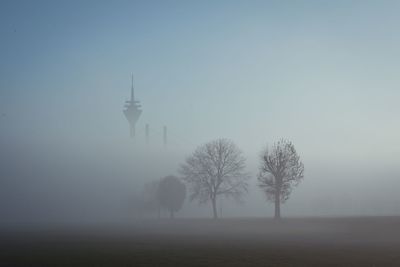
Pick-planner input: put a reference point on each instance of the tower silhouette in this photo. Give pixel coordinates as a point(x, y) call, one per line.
point(132, 111)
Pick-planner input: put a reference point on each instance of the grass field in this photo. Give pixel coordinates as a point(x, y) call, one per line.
point(366, 241)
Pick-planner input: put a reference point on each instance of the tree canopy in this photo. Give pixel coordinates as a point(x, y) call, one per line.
point(214, 169)
point(171, 194)
point(280, 170)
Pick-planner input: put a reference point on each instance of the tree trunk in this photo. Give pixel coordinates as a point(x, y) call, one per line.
point(277, 206)
point(214, 205)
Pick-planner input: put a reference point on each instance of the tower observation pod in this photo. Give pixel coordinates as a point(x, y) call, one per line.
point(132, 111)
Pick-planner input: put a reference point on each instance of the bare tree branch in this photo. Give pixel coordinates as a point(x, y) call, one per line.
point(216, 168)
point(280, 170)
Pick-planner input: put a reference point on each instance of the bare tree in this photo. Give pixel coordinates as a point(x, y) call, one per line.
point(280, 170)
point(215, 169)
point(171, 194)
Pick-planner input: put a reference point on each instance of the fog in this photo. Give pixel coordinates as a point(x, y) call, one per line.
point(323, 75)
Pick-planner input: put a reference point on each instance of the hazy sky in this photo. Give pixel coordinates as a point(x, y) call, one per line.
point(321, 73)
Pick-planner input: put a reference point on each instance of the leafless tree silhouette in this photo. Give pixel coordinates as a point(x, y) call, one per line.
point(215, 169)
point(280, 170)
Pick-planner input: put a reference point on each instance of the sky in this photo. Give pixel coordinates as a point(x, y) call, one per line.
point(323, 74)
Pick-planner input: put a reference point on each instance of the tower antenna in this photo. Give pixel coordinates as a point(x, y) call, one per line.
point(132, 110)
point(132, 89)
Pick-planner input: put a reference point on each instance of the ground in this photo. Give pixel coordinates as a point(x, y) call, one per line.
point(367, 241)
